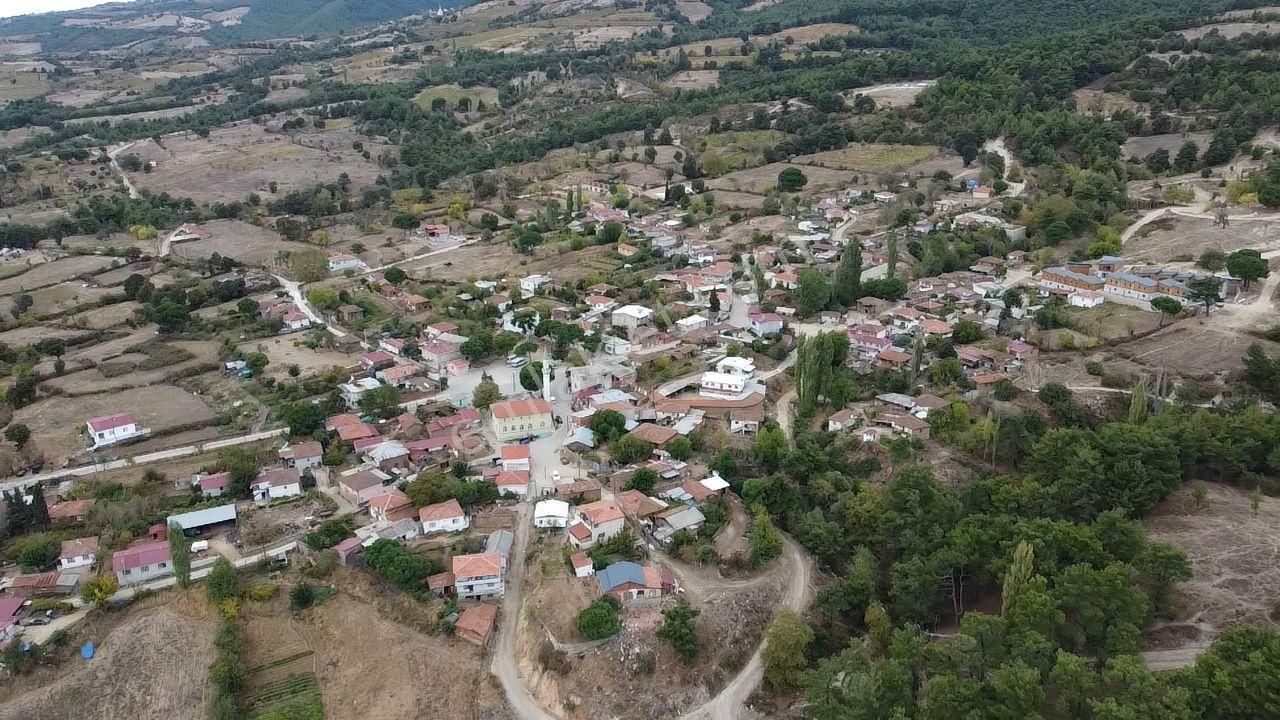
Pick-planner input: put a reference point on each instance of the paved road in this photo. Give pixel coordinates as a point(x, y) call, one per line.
point(294, 288)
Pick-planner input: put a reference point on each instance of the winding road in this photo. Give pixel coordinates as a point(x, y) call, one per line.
point(133, 191)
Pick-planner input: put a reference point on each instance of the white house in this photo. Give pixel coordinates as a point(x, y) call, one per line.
point(443, 517)
point(740, 366)
point(77, 553)
point(766, 324)
point(295, 320)
point(141, 563)
point(112, 429)
point(342, 262)
point(691, 323)
point(478, 576)
point(277, 483)
point(722, 384)
point(516, 458)
point(596, 522)
point(631, 316)
point(529, 284)
point(352, 391)
point(551, 514)
point(614, 345)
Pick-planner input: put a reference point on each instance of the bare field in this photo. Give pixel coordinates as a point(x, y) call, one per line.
point(188, 355)
point(243, 242)
point(1193, 348)
point(1114, 321)
point(1140, 147)
point(245, 158)
point(693, 80)
point(284, 351)
point(1232, 549)
point(1177, 235)
point(693, 10)
point(1106, 103)
point(872, 157)
point(1230, 30)
point(57, 423)
point(153, 666)
point(56, 300)
point(28, 335)
point(497, 261)
point(105, 317)
point(763, 179)
point(57, 271)
point(451, 94)
point(892, 94)
point(405, 669)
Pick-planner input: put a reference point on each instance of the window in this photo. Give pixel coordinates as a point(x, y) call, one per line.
point(127, 571)
point(163, 565)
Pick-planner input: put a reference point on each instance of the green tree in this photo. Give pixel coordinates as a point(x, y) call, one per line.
point(791, 179)
point(678, 629)
point(1205, 290)
point(770, 448)
point(966, 332)
point(599, 620)
point(99, 590)
point(786, 641)
point(395, 275)
point(18, 434)
point(1247, 266)
point(643, 479)
point(1212, 260)
point(847, 287)
point(382, 402)
point(681, 448)
point(765, 541)
point(1159, 566)
point(180, 553)
point(630, 449)
point(221, 583)
point(813, 292)
point(608, 425)
point(486, 393)
point(1167, 306)
point(1187, 158)
point(1019, 573)
point(1138, 404)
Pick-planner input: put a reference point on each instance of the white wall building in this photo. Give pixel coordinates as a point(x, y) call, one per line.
point(718, 384)
point(631, 316)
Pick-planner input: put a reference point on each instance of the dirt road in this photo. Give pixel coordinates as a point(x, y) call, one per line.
point(295, 293)
point(727, 705)
point(504, 656)
point(133, 191)
point(783, 409)
point(999, 147)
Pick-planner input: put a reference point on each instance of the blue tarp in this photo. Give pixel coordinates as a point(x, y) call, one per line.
point(86, 652)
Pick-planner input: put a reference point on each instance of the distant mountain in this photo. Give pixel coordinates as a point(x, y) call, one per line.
point(197, 23)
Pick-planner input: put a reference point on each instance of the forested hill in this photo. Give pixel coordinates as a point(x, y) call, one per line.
point(216, 21)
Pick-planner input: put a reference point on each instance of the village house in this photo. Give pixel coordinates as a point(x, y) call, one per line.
point(376, 360)
point(437, 353)
point(391, 506)
point(631, 316)
point(478, 576)
point(10, 608)
point(582, 565)
point(112, 429)
point(143, 562)
point(214, 485)
point(551, 514)
point(303, 456)
point(596, 522)
point(515, 457)
point(446, 516)
point(342, 262)
point(627, 581)
point(361, 487)
point(514, 419)
point(78, 553)
point(475, 624)
point(841, 420)
point(275, 484)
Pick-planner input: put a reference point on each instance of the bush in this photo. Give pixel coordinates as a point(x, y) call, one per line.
point(599, 620)
point(302, 596)
point(1094, 368)
point(263, 592)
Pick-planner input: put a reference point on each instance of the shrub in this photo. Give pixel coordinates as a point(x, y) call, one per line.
point(302, 596)
point(1094, 368)
point(599, 620)
point(263, 592)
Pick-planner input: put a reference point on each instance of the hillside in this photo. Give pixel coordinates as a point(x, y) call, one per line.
point(198, 23)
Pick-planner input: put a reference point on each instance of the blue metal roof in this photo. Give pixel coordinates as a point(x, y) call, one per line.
point(620, 573)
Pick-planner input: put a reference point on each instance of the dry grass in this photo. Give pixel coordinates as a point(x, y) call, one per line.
point(872, 157)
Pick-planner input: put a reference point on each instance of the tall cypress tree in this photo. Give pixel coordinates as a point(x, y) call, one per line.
point(39, 511)
point(180, 553)
point(848, 280)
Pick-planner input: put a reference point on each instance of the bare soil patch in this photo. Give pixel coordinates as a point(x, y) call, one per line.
point(1140, 147)
point(1194, 348)
point(57, 423)
point(245, 158)
point(1230, 30)
point(285, 351)
point(105, 317)
point(1235, 578)
point(693, 10)
point(1176, 235)
point(55, 272)
point(152, 667)
point(241, 241)
point(763, 179)
point(693, 79)
point(873, 157)
point(891, 94)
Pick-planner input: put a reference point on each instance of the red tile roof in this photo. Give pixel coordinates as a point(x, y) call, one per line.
point(440, 511)
point(601, 511)
point(476, 565)
point(520, 408)
point(476, 622)
point(512, 478)
point(111, 422)
point(515, 452)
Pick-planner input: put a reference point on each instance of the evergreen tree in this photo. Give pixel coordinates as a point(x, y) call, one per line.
point(1138, 403)
point(848, 280)
point(39, 512)
point(891, 253)
point(1020, 571)
point(180, 553)
point(677, 629)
